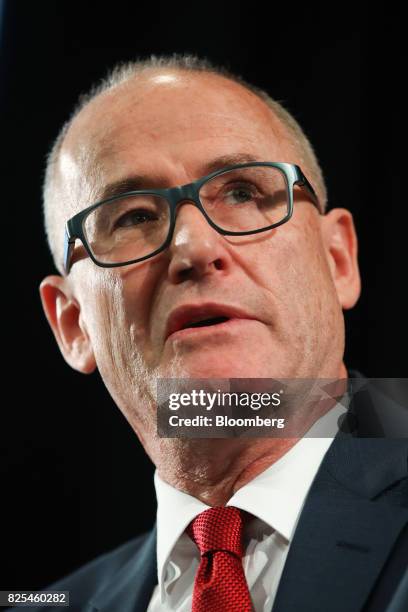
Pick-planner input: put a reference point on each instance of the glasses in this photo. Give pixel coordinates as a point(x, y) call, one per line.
point(236, 201)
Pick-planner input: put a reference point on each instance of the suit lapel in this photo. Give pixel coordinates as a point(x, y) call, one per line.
point(347, 528)
point(131, 588)
point(340, 545)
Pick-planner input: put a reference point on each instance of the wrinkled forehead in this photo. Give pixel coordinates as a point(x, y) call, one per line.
point(168, 121)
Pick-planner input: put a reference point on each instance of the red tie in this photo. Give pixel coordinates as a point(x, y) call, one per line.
point(220, 584)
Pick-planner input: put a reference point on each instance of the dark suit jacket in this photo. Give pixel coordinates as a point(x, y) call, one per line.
point(349, 552)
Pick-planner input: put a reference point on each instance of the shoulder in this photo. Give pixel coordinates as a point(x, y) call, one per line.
point(88, 578)
point(85, 582)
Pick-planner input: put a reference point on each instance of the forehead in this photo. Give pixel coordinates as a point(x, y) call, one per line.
point(169, 122)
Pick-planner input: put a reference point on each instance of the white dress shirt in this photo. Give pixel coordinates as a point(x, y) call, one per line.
point(275, 498)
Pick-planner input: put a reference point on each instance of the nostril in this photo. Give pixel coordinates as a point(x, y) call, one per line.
point(188, 272)
point(185, 273)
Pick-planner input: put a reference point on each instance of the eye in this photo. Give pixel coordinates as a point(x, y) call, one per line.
point(240, 194)
point(135, 217)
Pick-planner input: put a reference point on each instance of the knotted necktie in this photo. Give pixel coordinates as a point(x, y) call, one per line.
point(220, 584)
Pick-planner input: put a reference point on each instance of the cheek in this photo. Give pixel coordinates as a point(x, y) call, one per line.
point(292, 267)
point(116, 307)
point(102, 310)
point(309, 280)
point(104, 314)
point(293, 255)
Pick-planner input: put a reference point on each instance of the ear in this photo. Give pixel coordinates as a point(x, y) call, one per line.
point(63, 313)
point(340, 241)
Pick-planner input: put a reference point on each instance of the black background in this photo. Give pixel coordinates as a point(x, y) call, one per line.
point(75, 480)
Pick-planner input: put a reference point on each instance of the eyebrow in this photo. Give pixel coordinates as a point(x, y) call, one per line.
point(135, 182)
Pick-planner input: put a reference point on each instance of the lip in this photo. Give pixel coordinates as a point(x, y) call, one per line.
point(187, 313)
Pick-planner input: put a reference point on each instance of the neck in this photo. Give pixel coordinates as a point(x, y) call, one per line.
point(213, 469)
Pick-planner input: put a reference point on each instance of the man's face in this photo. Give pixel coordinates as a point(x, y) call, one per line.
point(170, 127)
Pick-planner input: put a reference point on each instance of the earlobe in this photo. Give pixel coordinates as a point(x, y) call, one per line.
point(341, 249)
point(64, 316)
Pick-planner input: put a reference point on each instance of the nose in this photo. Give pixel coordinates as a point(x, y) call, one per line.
point(196, 248)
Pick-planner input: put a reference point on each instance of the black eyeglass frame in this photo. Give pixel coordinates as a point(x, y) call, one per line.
point(74, 229)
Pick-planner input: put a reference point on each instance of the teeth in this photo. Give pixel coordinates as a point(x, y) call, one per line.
point(206, 322)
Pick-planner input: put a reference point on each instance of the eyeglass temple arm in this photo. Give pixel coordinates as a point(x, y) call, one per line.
point(303, 182)
point(69, 243)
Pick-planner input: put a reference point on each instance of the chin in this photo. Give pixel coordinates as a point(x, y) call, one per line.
point(224, 370)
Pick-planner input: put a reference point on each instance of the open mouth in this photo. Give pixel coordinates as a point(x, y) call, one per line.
point(206, 322)
point(207, 314)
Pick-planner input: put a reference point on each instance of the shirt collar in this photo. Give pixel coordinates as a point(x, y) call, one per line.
point(175, 510)
point(276, 496)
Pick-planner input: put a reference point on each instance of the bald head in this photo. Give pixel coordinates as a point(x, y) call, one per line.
point(159, 103)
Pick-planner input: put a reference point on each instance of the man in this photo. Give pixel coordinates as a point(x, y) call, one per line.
point(143, 295)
